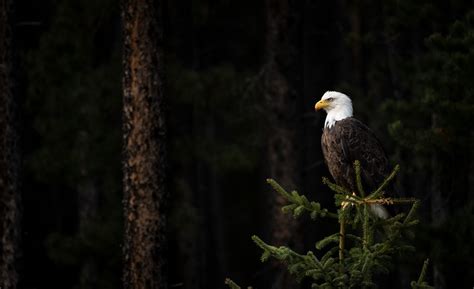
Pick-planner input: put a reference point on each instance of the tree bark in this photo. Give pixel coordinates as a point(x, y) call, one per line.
point(144, 147)
point(9, 157)
point(281, 138)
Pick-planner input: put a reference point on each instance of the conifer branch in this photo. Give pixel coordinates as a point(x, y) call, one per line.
point(423, 271)
point(231, 284)
point(360, 188)
point(335, 188)
point(365, 228)
point(299, 265)
point(342, 237)
point(327, 240)
point(404, 200)
point(387, 180)
point(421, 283)
point(381, 201)
point(300, 203)
point(370, 200)
point(411, 214)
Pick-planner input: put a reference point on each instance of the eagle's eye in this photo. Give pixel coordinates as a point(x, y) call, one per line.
point(329, 99)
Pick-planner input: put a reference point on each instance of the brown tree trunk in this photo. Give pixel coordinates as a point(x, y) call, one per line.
point(144, 147)
point(9, 158)
point(281, 137)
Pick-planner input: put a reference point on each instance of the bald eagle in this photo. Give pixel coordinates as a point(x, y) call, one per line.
point(345, 140)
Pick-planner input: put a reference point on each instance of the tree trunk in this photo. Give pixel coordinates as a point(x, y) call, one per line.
point(281, 138)
point(144, 147)
point(9, 158)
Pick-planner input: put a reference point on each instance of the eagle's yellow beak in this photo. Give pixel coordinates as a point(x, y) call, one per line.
point(321, 104)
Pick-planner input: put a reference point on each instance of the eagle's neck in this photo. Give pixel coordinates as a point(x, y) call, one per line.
point(337, 114)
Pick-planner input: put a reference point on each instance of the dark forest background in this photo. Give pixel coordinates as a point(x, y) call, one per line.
point(407, 65)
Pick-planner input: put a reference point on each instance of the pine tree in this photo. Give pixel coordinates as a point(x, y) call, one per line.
point(144, 147)
point(361, 250)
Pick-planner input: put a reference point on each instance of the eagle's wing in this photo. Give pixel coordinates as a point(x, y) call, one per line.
point(349, 140)
point(358, 142)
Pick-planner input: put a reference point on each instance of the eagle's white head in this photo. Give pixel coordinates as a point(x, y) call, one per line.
point(337, 105)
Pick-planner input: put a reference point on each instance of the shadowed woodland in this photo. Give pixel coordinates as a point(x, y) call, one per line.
point(192, 105)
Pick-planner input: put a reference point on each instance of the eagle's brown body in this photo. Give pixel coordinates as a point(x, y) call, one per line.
point(349, 140)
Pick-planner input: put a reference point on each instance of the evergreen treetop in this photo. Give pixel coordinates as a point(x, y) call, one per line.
point(364, 246)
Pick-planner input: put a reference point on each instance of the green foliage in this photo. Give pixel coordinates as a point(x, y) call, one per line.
point(373, 241)
point(74, 103)
point(423, 73)
point(434, 116)
point(431, 125)
point(421, 283)
point(429, 120)
point(233, 285)
point(300, 203)
point(223, 115)
point(74, 98)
